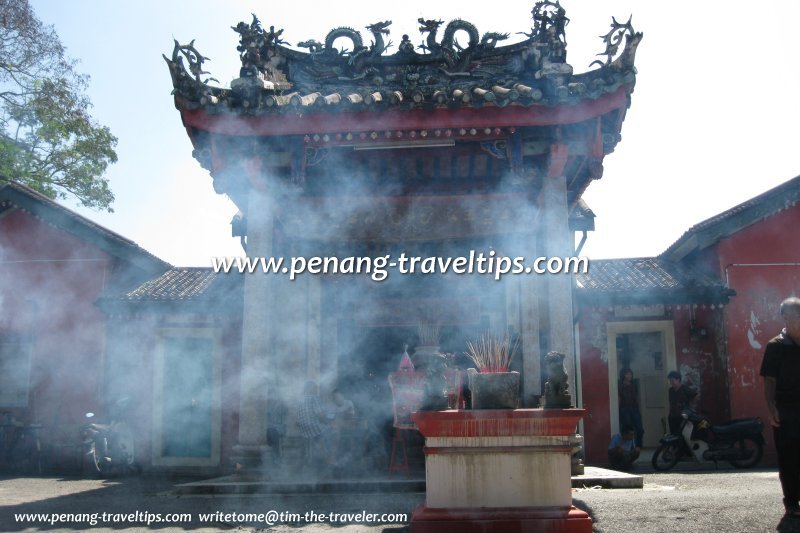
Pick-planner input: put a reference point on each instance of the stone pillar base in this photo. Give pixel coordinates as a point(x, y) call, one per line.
point(577, 450)
point(501, 520)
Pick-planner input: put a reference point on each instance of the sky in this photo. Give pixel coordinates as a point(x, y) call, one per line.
point(713, 122)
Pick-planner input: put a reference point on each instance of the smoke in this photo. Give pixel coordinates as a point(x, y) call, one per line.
point(53, 267)
point(347, 332)
point(174, 344)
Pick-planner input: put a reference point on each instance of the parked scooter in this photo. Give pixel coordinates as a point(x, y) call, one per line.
point(739, 442)
point(109, 447)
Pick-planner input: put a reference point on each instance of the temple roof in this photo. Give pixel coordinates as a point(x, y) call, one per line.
point(409, 125)
point(277, 79)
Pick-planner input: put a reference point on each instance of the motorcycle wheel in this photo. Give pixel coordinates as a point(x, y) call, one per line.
point(96, 459)
point(666, 456)
point(751, 450)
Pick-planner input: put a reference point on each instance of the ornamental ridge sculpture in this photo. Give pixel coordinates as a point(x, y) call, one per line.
point(534, 70)
point(613, 39)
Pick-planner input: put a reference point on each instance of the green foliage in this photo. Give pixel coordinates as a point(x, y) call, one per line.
point(48, 139)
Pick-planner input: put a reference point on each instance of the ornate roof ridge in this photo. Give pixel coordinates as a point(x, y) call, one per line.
point(275, 78)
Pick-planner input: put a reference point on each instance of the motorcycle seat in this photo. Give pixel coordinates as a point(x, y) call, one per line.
point(745, 425)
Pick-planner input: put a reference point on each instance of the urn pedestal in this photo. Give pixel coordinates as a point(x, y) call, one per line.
point(505, 470)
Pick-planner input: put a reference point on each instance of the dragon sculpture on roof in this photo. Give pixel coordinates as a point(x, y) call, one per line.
point(342, 61)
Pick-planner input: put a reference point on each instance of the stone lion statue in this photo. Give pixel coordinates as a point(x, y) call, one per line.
point(556, 389)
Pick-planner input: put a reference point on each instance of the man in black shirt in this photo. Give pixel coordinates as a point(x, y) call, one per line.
point(681, 397)
point(781, 371)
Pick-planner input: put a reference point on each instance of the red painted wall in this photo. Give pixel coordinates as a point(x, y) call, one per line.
point(594, 383)
point(753, 317)
point(701, 353)
point(698, 352)
point(49, 281)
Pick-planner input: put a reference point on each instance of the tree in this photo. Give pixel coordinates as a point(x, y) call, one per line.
point(48, 139)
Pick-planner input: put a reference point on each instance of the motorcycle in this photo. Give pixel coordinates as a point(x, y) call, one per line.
point(739, 442)
point(109, 447)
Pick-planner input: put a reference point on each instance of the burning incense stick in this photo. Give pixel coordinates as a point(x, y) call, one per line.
point(491, 354)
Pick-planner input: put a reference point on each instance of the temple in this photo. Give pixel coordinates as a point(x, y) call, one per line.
point(342, 149)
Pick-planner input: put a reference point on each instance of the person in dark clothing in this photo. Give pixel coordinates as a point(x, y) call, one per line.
point(681, 397)
point(629, 414)
point(780, 369)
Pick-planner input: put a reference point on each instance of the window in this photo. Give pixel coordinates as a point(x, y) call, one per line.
point(15, 370)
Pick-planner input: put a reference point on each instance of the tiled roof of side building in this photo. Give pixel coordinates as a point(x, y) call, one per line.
point(648, 277)
point(17, 195)
point(711, 230)
point(175, 284)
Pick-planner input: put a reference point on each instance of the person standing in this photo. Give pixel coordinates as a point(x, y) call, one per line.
point(780, 369)
point(629, 414)
point(681, 397)
point(313, 421)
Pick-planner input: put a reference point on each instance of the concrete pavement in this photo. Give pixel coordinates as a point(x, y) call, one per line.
point(685, 501)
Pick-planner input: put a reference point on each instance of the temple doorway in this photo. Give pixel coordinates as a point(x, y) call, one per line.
point(647, 348)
